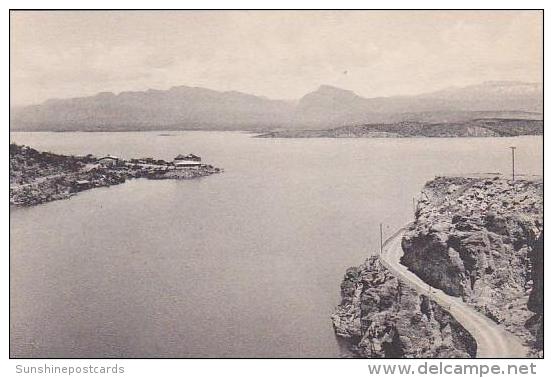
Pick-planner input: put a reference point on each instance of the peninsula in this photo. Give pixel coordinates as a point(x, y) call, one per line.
point(489, 127)
point(37, 177)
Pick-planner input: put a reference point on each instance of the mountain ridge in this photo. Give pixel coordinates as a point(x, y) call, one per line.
point(188, 108)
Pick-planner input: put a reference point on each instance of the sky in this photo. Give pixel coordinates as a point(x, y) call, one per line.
point(277, 54)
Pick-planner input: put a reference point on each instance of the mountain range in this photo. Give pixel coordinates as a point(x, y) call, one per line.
point(194, 108)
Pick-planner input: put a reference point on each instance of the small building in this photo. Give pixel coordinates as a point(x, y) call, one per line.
point(187, 163)
point(193, 157)
point(81, 185)
point(108, 160)
point(190, 157)
point(91, 166)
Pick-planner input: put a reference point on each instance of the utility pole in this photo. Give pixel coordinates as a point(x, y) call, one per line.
point(513, 159)
point(380, 238)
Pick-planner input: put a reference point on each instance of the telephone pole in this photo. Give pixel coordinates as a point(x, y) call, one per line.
point(513, 160)
point(380, 238)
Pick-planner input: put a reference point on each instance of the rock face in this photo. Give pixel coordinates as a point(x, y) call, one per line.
point(482, 239)
point(535, 302)
point(381, 317)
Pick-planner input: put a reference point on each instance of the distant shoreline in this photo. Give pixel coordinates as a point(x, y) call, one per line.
point(479, 128)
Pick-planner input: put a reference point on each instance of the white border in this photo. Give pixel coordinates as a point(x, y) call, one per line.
point(248, 368)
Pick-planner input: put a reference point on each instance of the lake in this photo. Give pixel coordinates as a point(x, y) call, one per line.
point(247, 263)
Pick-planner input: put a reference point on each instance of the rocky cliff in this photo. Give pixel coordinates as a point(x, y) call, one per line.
point(381, 317)
point(482, 239)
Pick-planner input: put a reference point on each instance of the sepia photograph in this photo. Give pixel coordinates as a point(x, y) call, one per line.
point(276, 184)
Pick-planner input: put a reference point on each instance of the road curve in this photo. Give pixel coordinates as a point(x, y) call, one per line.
point(492, 340)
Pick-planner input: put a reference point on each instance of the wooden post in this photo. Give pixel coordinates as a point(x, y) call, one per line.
point(380, 238)
point(513, 161)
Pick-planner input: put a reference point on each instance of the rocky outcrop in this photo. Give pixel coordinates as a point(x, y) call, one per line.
point(381, 317)
point(535, 302)
point(482, 239)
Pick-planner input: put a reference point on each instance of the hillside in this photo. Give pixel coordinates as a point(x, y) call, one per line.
point(482, 240)
point(479, 239)
point(382, 317)
point(330, 106)
point(492, 127)
point(174, 109)
point(193, 108)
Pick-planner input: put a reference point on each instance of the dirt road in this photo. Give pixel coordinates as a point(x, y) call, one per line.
point(492, 340)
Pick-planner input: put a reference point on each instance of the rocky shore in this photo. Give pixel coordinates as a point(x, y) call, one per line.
point(477, 238)
point(481, 239)
point(382, 317)
point(38, 177)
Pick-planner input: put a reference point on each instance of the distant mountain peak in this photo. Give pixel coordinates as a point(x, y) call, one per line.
point(179, 87)
point(105, 94)
point(330, 89)
point(327, 93)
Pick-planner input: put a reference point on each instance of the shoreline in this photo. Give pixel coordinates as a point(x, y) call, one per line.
point(40, 177)
point(479, 128)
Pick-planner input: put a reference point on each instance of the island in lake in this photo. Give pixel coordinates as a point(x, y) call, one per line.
point(37, 177)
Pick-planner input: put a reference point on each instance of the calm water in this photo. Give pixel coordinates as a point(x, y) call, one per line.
point(247, 263)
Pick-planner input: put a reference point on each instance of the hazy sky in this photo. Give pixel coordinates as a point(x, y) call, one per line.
point(275, 54)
